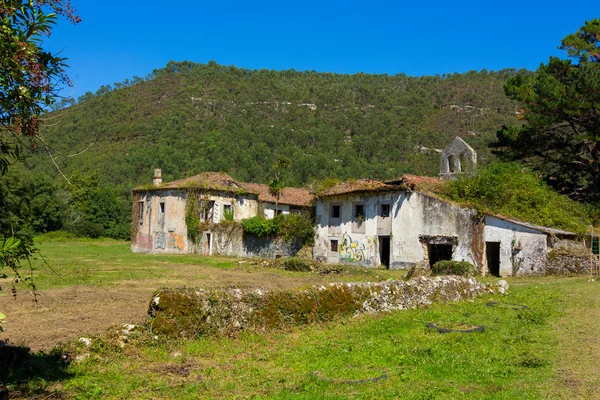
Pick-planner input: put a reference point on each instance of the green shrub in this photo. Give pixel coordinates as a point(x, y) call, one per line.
point(228, 215)
point(298, 227)
point(260, 226)
point(450, 267)
point(508, 189)
point(296, 264)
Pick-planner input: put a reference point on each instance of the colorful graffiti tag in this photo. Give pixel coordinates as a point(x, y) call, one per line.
point(352, 251)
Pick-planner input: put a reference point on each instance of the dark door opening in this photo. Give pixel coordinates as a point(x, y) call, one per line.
point(492, 254)
point(439, 252)
point(384, 250)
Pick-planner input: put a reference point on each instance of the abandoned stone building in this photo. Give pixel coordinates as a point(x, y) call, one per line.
point(396, 223)
point(159, 215)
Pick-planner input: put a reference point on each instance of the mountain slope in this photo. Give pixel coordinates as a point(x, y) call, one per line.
point(188, 118)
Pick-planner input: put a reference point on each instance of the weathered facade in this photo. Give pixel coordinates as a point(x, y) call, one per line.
point(161, 214)
point(394, 224)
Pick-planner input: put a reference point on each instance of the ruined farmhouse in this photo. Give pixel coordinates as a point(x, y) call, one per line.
point(164, 215)
point(395, 223)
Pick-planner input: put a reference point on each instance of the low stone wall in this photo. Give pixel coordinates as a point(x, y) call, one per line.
point(191, 313)
point(567, 261)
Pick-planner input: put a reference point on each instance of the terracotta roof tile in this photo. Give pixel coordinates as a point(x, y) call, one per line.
point(360, 185)
point(291, 196)
point(223, 182)
point(412, 182)
point(206, 180)
point(405, 182)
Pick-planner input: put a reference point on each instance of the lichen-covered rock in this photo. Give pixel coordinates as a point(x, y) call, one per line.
point(194, 312)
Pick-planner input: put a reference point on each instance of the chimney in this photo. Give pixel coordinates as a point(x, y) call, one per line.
point(157, 180)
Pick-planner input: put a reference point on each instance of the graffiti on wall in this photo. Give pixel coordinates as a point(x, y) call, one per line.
point(160, 240)
point(361, 253)
point(175, 241)
point(144, 241)
point(169, 240)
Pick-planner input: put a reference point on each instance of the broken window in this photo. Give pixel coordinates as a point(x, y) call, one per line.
point(161, 212)
point(141, 212)
point(207, 211)
point(359, 212)
point(333, 243)
point(451, 164)
point(384, 211)
point(336, 211)
point(228, 212)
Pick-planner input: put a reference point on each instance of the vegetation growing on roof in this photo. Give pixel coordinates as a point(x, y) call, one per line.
point(510, 190)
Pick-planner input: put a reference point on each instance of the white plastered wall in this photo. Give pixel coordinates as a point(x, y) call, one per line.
point(522, 250)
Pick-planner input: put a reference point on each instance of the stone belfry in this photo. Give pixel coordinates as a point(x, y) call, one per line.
point(458, 158)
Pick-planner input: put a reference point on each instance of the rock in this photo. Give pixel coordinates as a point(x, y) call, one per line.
point(502, 286)
point(305, 252)
point(128, 328)
point(87, 342)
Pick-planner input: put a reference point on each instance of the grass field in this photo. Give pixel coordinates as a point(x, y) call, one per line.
point(549, 350)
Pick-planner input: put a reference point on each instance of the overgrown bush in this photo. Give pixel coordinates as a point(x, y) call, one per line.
point(510, 190)
point(298, 227)
point(450, 267)
point(296, 264)
point(260, 226)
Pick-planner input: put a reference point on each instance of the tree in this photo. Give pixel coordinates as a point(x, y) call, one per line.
point(561, 111)
point(30, 77)
point(276, 185)
point(29, 80)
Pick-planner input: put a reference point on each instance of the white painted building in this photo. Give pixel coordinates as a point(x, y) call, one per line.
point(159, 214)
point(393, 224)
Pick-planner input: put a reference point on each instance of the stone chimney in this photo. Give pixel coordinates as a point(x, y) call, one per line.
point(157, 180)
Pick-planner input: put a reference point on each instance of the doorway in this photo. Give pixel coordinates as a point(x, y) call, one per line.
point(492, 255)
point(438, 252)
point(384, 250)
point(208, 245)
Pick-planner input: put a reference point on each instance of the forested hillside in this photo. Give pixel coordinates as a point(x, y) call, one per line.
point(187, 118)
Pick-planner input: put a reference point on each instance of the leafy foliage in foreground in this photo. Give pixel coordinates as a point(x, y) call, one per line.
point(510, 190)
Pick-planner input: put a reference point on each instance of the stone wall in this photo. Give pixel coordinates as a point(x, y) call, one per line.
point(191, 312)
point(566, 261)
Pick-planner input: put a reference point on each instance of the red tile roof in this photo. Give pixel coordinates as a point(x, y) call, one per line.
point(223, 182)
point(291, 196)
point(413, 182)
point(206, 180)
point(360, 185)
point(405, 182)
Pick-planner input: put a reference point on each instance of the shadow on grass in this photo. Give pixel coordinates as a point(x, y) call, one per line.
point(27, 374)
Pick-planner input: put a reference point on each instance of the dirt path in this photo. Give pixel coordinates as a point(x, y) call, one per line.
point(579, 343)
point(68, 313)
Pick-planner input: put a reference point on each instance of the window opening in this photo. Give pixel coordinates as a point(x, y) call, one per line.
point(334, 245)
point(385, 210)
point(359, 212)
point(335, 211)
point(207, 211)
point(451, 164)
point(228, 212)
point(141, 212)
point(161, 212)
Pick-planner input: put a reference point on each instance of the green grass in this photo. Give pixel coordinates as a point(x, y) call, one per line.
point(513, 358)
point(522, 354)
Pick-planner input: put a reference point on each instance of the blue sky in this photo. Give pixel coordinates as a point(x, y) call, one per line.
point(121, 39)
